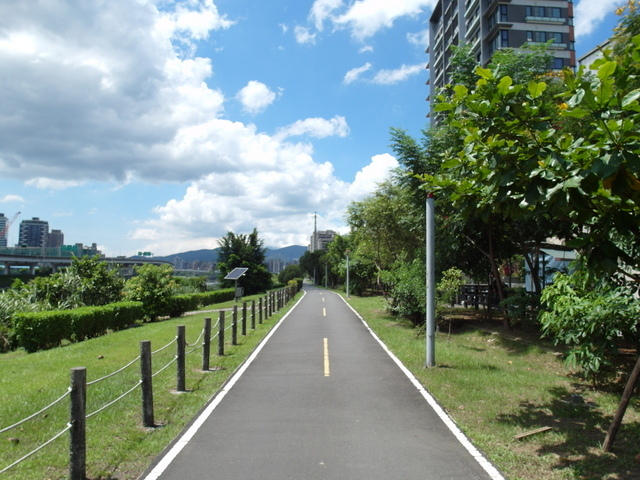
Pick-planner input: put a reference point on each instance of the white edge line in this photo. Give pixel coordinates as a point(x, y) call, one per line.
point(488, 467)
point(217, 398)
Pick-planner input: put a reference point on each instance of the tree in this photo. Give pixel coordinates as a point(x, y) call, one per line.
point(244, 251)
point(153, 285)
point(290, 272)
point(591, 317)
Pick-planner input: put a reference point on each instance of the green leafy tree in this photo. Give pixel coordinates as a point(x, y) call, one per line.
point(590, 317)
point(290, 272)
point(153, 285)
point(244, 251)
point(312, 265)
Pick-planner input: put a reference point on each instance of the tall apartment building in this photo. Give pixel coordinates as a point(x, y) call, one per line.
point(3, 223)
point(320, 240)
point(33, 233)
point(55, 239)
point(490, 25)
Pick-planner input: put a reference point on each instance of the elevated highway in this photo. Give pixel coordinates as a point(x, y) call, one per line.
point(33, 260)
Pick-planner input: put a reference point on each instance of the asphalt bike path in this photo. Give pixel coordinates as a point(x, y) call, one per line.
point(322, 399)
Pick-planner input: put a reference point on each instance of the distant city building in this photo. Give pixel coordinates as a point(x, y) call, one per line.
point(33, 233)
point(3, 224)
point(55, 239)
point(320, 240)
point(488, 26)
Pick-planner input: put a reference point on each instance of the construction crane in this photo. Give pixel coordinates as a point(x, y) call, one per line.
point(5, 230)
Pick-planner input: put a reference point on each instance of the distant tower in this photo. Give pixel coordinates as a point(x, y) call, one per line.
point(33, 233)
point(55, 239)
point(3, 225)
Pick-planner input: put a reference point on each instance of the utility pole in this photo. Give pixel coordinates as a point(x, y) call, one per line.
point(430, 321)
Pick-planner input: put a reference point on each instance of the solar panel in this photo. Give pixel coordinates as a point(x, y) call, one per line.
point(236, 273)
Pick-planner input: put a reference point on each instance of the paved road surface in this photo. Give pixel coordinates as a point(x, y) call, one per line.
point(321, 400)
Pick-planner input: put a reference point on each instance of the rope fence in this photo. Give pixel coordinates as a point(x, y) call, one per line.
point(78, 388)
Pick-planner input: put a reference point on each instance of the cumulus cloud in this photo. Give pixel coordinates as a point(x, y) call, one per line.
point(315, 127)
point(419, 39)
point(355, 73)
point(389, 77)
point(279, 201)
point(365, 18)
point(372, 175)
point(303, 35)
point(321, 10)
point(256, 97)
point(51, 183)
point(590, 13)
point(11, 198)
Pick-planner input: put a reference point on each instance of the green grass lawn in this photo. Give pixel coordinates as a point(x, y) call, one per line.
point(493, 386)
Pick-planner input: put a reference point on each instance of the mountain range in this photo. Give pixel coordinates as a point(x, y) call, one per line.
point(286, 254)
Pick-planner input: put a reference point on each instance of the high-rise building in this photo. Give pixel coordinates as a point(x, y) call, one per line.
point(55, 239)
point(33, 233)
point(320, 240)
point(490, 25)
point(3, 223)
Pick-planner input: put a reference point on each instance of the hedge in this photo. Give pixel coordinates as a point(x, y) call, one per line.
point(180, 304)
point(41, 330)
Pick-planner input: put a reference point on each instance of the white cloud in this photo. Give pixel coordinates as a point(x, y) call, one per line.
point(590, 13)
point(370, 176)
point(388, 77)
point(315, 127)
point(276, 202)
point(11, 198)
point(52, 184)
point(256, 97)
point(355, 73)
point(322, 10)
point(303, 35)
point(365, 18)
point(419, 39)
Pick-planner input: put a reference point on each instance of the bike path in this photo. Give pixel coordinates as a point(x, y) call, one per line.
point(322, 399)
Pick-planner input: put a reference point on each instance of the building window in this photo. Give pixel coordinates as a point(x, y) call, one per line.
point(500, 15)
point(543, 12)
point(557, 64)
point(501, 40)
point(543, 37)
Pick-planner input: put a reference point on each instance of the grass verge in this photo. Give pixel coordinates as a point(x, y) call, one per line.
point(118, 447)
point(496, 387)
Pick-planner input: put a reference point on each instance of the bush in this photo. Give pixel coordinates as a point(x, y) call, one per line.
point(591, 318)
point(42, 330)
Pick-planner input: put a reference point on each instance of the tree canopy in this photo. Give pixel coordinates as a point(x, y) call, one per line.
point(244, 250)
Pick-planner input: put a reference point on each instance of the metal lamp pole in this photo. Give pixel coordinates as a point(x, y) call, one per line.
point(347, 252)
point(431, 283)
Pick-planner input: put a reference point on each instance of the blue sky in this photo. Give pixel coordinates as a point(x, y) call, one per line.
point(161, 125)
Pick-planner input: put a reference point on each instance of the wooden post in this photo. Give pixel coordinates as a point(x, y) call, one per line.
point(622, 408)
point(234, 326)
point(221, 334)
point(253, 314)
point(244, 318)
point(260, 310)
point(78, 438)
point(146, 385)
point(180, 359)
point(206, 344)
point(268, 304)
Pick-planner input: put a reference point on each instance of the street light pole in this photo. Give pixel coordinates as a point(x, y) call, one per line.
point(430, 321)
point(347, 252)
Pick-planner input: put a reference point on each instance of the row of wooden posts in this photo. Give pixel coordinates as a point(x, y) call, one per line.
point(266, 307)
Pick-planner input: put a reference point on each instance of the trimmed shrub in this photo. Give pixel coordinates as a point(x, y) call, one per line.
point(42, 330)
